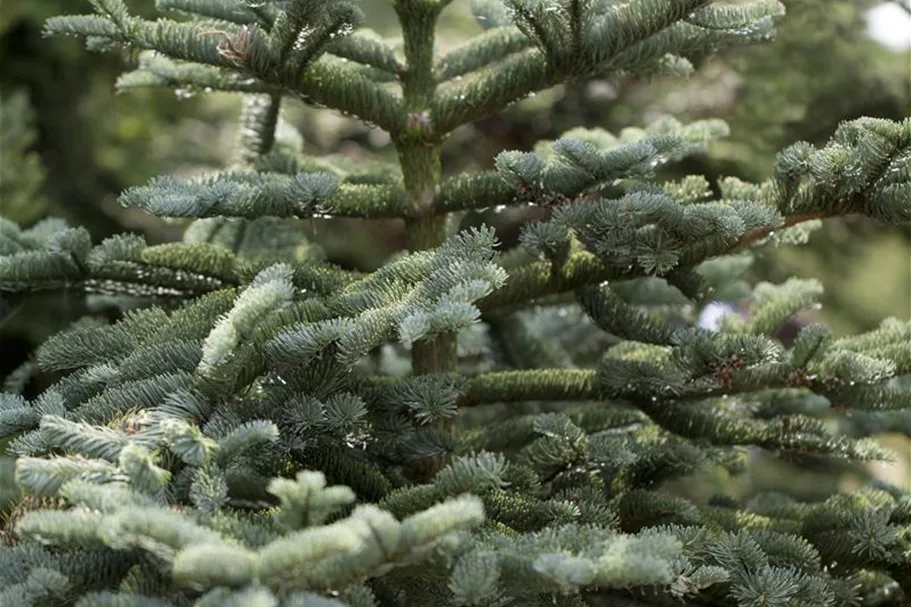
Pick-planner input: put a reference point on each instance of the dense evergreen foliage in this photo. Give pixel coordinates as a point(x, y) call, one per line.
point(470, 424)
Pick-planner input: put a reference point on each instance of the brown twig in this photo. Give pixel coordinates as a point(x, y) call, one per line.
point(791, 220)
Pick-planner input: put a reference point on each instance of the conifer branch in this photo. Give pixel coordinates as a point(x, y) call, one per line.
point(690, 416)
point(329, 82)
point(542, 278)
point(793, 220)
point(258, 194)
point(807, 186)
point(585, 161)
point(490, 47)
point(259, 119)
point(532, 384)
point(326, 81)
point(484, 189)
point(126, 265)
point(158, 71)
point(523, 460)
point(515, 78)
point(369, 50)
point(233, 12)
point(624, 34)
point(362, 46)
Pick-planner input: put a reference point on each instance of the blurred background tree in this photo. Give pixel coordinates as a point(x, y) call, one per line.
point(70, 144)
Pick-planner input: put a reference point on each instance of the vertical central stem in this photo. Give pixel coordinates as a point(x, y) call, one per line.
point(427, 231)
point(418, 19)
point(418, 146)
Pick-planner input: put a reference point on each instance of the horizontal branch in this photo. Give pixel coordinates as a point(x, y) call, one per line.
point(253, 195)
point(530, 385)
point(234, 12)
point(541, 278)
point(793, 220)
point(127, 266)
point(159, 71)
point(368, 201)
point(479, 190)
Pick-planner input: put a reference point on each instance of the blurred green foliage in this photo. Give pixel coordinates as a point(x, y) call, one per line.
point(22, 174)
point(92, 142)
point(70, 144)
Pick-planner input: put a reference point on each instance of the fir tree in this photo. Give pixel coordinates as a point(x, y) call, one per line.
point(466, 425)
